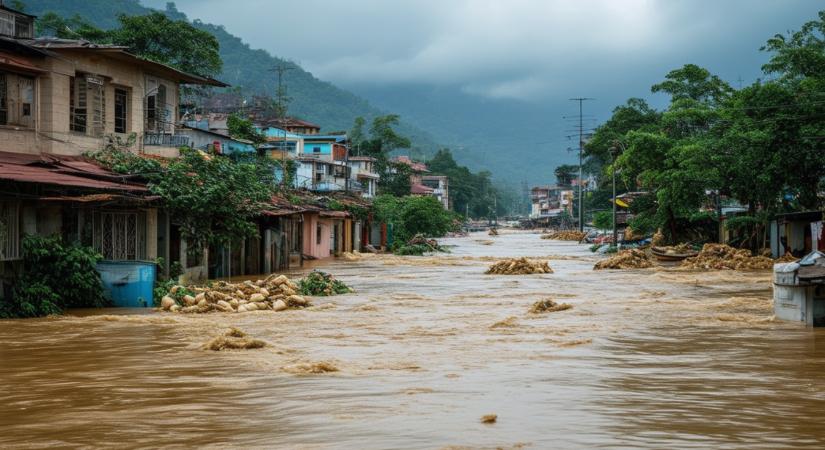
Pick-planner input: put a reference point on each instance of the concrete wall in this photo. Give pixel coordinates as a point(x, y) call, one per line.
point(313, 224)
point(50, 131)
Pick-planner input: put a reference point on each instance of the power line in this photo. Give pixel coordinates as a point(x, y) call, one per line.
point(581, 101)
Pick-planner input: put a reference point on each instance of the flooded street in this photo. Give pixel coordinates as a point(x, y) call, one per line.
point(657, 358)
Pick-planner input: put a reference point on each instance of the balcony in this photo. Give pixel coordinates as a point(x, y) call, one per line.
point(165, 140)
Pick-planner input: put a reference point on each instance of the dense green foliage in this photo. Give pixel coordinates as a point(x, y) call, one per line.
point(56, 276)
point(760, 146)
point(242, 128)
point(319, 283)
point(410, 216)
point(153, 36)
point(472, 193)
point(213, 199)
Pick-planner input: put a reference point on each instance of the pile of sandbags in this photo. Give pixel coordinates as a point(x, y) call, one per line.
point(565, 235)
point(725, 257)
point(276, 292)
point(626, 259)
point(519, 266)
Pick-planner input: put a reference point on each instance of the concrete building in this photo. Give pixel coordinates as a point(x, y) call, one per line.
point(440, 186)
point(62, 98)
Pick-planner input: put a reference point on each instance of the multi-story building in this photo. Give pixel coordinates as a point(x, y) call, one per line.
point(546, 201)
point(440, 186)
point(363, 177)
point(61, 98)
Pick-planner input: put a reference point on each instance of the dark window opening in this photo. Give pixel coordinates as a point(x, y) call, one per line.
point(316, 150)
point(121, 115)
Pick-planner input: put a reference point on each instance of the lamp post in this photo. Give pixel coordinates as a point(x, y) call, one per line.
point(614, 150)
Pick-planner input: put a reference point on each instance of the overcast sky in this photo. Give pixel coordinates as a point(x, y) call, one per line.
point(519, 49)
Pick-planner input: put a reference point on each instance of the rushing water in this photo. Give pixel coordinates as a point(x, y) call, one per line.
point(657, 358)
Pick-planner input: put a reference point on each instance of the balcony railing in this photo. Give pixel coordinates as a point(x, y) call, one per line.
point(166, 140)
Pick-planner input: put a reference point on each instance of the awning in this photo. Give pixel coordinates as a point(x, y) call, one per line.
point(57, 170)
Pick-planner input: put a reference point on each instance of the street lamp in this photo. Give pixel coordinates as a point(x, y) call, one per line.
point(614, 150)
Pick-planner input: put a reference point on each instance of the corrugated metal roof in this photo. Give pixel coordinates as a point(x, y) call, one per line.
point(62, 171)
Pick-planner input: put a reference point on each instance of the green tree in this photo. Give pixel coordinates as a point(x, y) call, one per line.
point(153, 36)
point(213, 199)
point(242, 128)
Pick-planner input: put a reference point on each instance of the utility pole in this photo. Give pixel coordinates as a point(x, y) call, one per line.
point(282, 100)
point(581, 101)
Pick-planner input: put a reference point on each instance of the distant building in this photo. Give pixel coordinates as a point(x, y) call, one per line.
point(546, 201)
point(293, 125)
point(440, 186)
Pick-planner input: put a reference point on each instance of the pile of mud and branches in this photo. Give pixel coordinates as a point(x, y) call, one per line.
point(234, 339)
point(626, 259)
point(519, 266)
point(323, 284)
point(548, 305)
point(565, 235)
point(725, 257)
point(418, 245)
point(679, 249)
point(276, 292)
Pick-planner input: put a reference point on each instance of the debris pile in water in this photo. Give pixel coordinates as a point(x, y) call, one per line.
point(417, 246)
point(548, 305)
point(786, 258)
point(322, 283)
point(626, 259)
point(489, 418)
point(725, 257)
point(311, 368)
point(679, 249)
point(492, 232)
point(565, 235)
point(519, 266)
point(276, 292)
point(234, 339)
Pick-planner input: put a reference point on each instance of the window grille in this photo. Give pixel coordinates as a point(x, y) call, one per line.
point(120, 236)
point(9, 231)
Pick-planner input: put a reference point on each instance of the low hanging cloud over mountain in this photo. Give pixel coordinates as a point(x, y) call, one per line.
point(519, 49)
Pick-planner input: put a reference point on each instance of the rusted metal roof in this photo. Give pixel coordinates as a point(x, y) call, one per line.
point(335, 214)
point(420, 189)
point(60, 170)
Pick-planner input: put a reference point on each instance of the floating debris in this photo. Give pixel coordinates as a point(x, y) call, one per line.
point(492, 232)
point(786, 258)
point(234, 339)
point(548, 305)
point(311, 368)
point(276, 292)
point(489, 418)
point(626, 259)
point(519, 266)
point(725, 257)
point(510, 322)
point(322, 283)
point(566, 236)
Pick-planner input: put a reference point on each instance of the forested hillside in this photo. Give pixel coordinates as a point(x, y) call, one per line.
point(249, 69)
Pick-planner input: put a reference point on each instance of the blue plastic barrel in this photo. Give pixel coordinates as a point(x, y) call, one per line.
point(128, 284)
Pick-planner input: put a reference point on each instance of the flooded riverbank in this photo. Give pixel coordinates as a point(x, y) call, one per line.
point(656, 358)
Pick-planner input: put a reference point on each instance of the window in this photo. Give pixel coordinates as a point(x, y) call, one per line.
point(121, 110)
point(316, 149)
point(318, 234)
point(120, 235)
point(16, 99)
point(4, 108)
point(87, 105)
point(9, 231)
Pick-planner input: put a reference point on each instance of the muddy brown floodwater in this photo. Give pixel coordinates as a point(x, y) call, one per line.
point(657, 358)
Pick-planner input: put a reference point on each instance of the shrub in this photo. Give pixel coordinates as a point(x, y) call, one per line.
point(55, 276)
point(323, 284)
